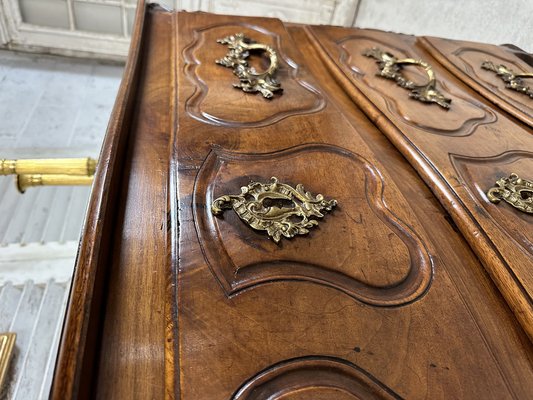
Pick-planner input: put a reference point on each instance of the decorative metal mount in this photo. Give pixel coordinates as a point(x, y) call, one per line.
point(7, 343)
point(516, 191)
point(276, 208)
point(512, 80)
point(49, 172)
point(391, 68)
point(250, 80)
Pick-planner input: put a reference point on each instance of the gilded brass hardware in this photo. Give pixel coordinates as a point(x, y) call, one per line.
point(250, 80)
point(7, 343)
point(516, 191)
point(391, 68)
point(66, 166)
point(512, 80)
point(276, 208)
point(48, 172)
point(25, 181)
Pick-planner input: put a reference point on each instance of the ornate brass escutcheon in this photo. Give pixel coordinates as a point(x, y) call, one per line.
point(516, 191)
point(275, 207)
point(513, 80)
point(391, 68)
point(250, 80)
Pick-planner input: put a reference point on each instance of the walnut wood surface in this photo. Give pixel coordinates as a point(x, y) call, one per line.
point(247, 308)
point(464, 60)
point(132, 349)
point(113, 342)
point(459, 164)
point(75, 370)
point(385, 299)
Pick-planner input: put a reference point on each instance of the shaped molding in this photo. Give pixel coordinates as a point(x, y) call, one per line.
point(387, 265)
point(479, 174)
point(327, 377)
point(464, 116)
point(216, 101)
point(471, 59)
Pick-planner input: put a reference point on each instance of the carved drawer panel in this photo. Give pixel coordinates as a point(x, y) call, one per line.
point(490, 70)
point(256, 309)
point(480, 173)
point(215, 100)
point(340, 253)
point(350, 46)
point(446, 146)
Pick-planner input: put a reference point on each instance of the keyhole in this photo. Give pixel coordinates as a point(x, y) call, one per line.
point(279, 203)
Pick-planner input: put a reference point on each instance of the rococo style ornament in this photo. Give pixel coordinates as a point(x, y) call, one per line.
point(516, 191)
point(391, 68)
point(275, 207)
point(512, 79)
point(250, 80)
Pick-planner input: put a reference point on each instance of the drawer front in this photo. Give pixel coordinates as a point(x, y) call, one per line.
point(215, 100)
point(367, 303)
point(460, 151)
point(200, 276)
point(503, 75)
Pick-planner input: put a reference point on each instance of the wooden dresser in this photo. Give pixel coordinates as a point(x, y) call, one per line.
point(402, 279)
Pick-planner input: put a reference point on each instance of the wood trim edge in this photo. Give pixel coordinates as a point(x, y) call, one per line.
point(74, 366)
point(172, 340)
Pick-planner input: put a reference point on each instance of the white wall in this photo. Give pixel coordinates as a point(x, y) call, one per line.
point(488, 21)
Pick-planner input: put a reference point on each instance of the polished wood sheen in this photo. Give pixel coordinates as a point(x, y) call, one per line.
point(113, 343)
point(413, 286)
point(459, 152)
point(464, 60)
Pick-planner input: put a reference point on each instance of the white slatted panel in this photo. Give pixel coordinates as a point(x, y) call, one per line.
point(50, 107)
point(42, 214)
point(35, 312)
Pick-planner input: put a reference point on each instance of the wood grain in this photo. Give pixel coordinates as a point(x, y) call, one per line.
point(226, 339)
point(503, 254)
point(75, 368)
point(385, 299)
point(464, 59)
point(122, 354)
point(132, 349)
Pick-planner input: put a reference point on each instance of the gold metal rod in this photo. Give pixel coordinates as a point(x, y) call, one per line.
point(7, 343)
point(65, 166)
point(25, 181)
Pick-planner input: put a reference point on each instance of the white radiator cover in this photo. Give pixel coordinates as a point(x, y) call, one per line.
point(50, 107)
point(35, 312)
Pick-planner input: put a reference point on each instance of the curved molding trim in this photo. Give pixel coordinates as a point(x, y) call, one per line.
point(193, 105)
point(496, 166)
point(393, 106)
point(313, 373)
point(236, 278)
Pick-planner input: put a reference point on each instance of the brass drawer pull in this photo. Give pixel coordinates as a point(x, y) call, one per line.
point(391, 68)
point(516, 191)
point(275, 207)
point(250, 80)
point(512, 80)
